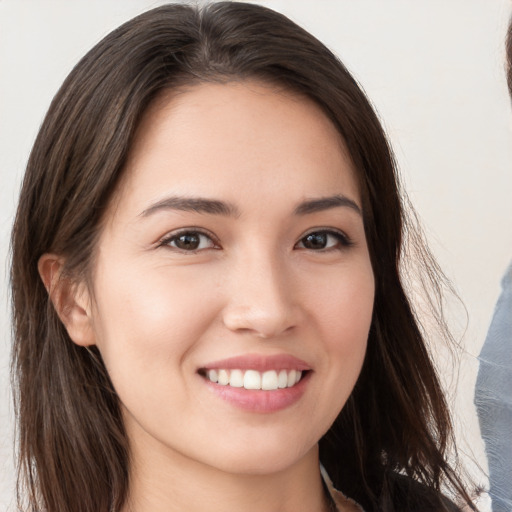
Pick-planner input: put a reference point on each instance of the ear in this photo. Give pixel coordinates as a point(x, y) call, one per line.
point(71, 300)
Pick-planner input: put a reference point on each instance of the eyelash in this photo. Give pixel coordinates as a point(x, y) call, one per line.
point(343, 241)
point(168, 240)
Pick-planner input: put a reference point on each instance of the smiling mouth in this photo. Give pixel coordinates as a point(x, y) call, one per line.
point(269, 380)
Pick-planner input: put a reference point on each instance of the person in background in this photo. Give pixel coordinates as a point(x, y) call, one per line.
point(493, 391)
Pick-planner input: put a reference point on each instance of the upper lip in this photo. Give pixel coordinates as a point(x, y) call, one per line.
point(259, 363)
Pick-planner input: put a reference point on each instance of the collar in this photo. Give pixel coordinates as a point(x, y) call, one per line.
point(340, 502)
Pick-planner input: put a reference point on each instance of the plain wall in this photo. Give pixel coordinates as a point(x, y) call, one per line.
point(434, 69)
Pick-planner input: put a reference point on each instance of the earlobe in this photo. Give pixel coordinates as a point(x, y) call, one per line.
point(70, 299)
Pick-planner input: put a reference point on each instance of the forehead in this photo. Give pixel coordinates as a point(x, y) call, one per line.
point(212, 138)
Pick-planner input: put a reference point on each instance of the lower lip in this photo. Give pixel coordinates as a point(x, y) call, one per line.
point(258, 400)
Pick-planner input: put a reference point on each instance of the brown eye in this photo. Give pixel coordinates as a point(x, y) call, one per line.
point(315, 241)
point(190, 241)
point(323, 240)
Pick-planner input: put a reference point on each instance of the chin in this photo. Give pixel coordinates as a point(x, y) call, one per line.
point(263, 458)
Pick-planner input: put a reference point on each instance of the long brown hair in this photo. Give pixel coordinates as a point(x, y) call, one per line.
point(73, 451)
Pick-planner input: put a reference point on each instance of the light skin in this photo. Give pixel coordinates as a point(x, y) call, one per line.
point(236, 230)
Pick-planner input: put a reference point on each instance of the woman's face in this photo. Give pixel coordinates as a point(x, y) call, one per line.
point(233, 262)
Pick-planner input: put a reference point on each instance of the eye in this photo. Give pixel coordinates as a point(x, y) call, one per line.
point(189, 241)
point(323, 240)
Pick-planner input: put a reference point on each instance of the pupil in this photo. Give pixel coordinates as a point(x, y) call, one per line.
point(188, 241)
point(315, 241)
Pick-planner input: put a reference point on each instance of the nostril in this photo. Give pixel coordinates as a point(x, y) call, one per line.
point(263, 323)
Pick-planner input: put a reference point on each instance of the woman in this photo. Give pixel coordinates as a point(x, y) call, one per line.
point(207, 300)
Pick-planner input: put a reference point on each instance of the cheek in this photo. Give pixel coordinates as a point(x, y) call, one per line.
point(150, 316)
point(344, 306)
point(343, 310)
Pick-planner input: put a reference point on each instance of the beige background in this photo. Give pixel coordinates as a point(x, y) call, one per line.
point(434, 69)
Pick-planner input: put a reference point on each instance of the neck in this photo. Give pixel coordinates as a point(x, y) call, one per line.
point(170, 482)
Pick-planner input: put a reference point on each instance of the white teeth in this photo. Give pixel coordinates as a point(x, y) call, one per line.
point(292, 375)
point(236, 379)
point(252, 379)
point(282, 380)
point(223, 377)
point(269, 380)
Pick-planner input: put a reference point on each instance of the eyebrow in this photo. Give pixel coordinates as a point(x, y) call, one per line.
point(326, 203)
point(216, 207)
point(192, 204)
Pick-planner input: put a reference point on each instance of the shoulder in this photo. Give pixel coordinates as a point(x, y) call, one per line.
point(399, 494)
point(410, 495)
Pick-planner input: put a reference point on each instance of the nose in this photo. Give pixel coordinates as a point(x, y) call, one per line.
point(261, 298)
